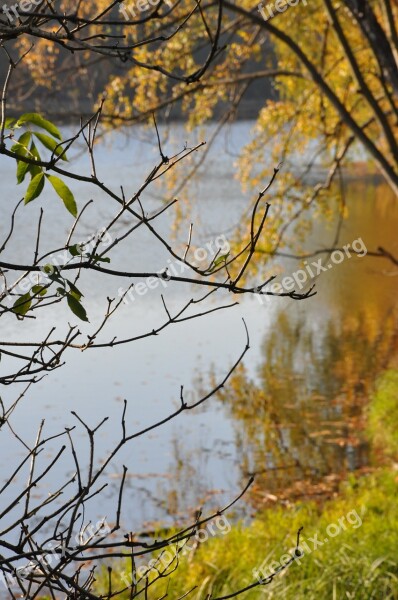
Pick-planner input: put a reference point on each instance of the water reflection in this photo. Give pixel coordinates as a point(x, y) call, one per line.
point(300, 422)
point(300, 427)
point(297, 406)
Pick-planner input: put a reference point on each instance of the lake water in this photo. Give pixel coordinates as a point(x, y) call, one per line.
point(294, 415)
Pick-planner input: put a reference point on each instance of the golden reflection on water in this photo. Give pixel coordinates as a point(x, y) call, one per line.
point(301, 424)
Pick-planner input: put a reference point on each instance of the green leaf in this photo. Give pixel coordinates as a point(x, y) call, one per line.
point(51, 145)
point(98, 258)
point(219, 260)
point(22, 169)
point(24, 139)
point(74, 291)
point(38, 120)
point(64, 193)
point(48, 269)
point(35, 188)
point(54, 274)
point(22, 304)
point(77, 308)
point(41, 290)
point(20, 149)
point(75, 250)
point(33, 169)
point(10, 122)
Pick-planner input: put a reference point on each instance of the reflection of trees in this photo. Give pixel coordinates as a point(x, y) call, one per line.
point(300, 427)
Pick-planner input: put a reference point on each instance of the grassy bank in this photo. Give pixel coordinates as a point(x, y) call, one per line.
point(350, 543)
point(359, 559)
point(383, 415)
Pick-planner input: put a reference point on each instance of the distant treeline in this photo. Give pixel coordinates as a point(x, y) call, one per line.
point(76, 89)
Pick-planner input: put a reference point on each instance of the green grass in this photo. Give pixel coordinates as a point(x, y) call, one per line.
point(383, 414)
point(360, 562)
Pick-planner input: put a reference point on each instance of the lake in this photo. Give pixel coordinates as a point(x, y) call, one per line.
point(294, 414)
